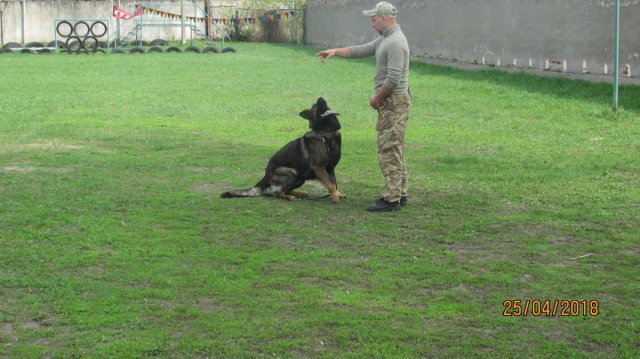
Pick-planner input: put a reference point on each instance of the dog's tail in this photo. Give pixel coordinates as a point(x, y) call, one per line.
point(255, 191)
point(249, 192)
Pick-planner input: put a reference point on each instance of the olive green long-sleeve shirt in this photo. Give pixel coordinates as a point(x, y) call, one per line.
point(392, 59)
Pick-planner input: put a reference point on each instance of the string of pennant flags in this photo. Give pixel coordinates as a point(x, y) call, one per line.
point(224, 21)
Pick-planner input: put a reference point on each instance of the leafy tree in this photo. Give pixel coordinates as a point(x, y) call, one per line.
point(272, 4)
point(286, 30)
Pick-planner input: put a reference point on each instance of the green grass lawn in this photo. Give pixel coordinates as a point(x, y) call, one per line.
point(114, 241)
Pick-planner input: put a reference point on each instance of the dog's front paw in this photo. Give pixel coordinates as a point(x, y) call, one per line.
point(336, 196)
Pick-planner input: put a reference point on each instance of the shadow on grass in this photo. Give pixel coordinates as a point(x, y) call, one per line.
point(574, 89)
point(561, 87)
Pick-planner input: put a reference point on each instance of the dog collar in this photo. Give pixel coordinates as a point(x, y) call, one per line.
point(329, 112)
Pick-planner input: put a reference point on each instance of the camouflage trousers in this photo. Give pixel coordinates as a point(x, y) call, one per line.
point(393, 115)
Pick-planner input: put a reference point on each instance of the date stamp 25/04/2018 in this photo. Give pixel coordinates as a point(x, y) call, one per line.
point(550, 308)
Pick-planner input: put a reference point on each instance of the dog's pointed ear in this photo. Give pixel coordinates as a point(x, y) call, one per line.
point(306, 114)
point(321, 105)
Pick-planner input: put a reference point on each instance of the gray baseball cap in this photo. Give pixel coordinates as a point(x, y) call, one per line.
point(382, 9)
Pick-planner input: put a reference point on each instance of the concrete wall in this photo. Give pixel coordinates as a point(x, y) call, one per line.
point(563, 35)
point(40, 15)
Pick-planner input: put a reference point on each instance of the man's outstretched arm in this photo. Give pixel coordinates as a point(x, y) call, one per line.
point(340, 52)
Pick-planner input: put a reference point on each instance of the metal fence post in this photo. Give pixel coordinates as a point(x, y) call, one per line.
point(616, 73)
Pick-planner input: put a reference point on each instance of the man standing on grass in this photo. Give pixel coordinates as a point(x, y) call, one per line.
point(391, 100)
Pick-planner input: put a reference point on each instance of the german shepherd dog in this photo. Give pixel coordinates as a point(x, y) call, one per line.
point(315, 155)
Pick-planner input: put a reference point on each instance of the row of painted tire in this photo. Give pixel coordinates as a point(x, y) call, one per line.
point(15, 45)
point(92, 45)
point(73, 44)
point(134, 50)
point(195, 49)
point(44, 50)
point(76, 41)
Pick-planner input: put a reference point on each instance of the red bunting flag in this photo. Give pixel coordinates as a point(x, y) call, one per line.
point(121, 14)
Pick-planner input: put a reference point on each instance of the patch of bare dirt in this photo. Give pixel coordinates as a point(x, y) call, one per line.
point(7, 330)
point(210, 305)
point(54, 146)
point(207, 188)
point(30, 324)
point(478, 251)
point(32, 169)
point(199, 169)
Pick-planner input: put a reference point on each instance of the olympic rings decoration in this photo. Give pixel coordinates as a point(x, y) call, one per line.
point(81, 36)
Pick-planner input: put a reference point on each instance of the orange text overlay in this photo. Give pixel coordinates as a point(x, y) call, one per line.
point(550, 308)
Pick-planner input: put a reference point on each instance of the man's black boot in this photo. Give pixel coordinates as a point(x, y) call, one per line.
point(384, 206)
point(403, 201)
